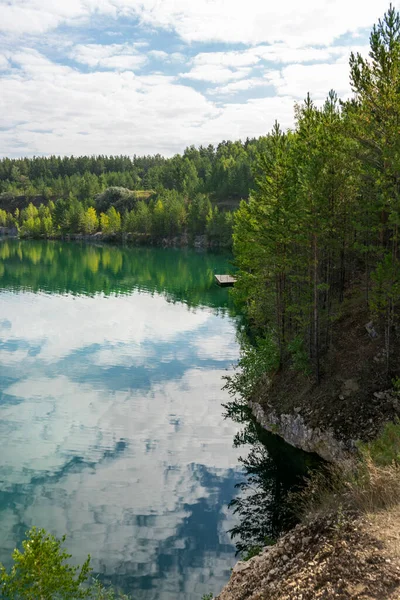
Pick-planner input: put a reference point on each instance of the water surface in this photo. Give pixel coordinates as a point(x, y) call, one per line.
point(111, 368)
point(110, 413)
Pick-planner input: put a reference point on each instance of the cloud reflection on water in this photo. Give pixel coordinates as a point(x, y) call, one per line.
point(111, 408)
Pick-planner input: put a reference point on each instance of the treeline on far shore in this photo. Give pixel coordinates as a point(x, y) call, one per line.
point(224, 172)
point(117, 211)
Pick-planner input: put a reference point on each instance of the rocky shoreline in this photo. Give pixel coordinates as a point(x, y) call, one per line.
point(336, 556)
point(354, 399)
point(295, 431)
point(138, 239)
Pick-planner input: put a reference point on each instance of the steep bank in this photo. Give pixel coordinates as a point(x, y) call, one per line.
point(355, 398)
point(333, 557)
point(345, 554)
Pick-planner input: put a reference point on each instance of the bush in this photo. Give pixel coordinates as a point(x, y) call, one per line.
point(385, 449)
point(120, 198)
point(42, 570)
point(254, 364)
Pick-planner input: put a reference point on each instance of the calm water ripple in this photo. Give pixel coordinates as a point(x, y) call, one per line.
point(112, 429)
point(111, 365)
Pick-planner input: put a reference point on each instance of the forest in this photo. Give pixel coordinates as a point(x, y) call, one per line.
point(319, 207)
point(313, 214)
point(323, 219)
point(193, 193)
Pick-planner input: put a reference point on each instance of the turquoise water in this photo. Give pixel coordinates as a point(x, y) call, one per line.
point(112, 429)
point(111, 365)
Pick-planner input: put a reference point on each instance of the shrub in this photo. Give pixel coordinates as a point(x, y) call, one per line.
point(255, 362)
point(42, 570)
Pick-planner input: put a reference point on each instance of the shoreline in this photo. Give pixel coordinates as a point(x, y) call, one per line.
point(200, 242)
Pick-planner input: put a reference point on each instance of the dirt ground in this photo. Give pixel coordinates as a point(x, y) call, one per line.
point(339, 557)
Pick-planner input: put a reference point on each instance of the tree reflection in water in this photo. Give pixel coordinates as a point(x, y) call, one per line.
point(272, 470)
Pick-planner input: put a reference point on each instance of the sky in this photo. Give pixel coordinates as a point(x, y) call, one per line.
point(155, 76)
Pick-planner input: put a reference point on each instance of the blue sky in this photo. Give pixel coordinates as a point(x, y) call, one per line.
point(148, 76)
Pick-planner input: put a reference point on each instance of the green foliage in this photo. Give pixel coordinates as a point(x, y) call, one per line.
point(142, 217)
point(325, 206)
point(164, 215)
point(3, 218)
point(396, 385)
point(255, 362)
point(257, 549)
point(198, 212)
point(120, 198)
point(114, 221)
point(219, 226)
point(42, 571)
point(100, 592)
point(385, 449)
point(300, 360)
point(251, 552)
point(223, 171)
point(90, 221)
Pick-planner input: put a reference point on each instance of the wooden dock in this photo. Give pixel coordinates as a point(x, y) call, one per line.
point(225, 280)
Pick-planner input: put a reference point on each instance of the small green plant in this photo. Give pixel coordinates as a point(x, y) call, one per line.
point(269, 541)
point(340, 520)
point(253, 551)
point(396, 385)
point(385, 449)
point(207, 596)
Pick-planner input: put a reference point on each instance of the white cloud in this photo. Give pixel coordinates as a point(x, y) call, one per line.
point(49, 108)
point(117, 320)
point(39, 16)
point(159, 54)
point(121, 112)
point(227, 59)
point(4, 64)
point(239, 86)
point(318, 79)
point(111, 56)
point(214, 73)
point(282, 53)
point(277, 53)
point(172, 57)
point(251, 22)
point(57, 109)
point(249, 119)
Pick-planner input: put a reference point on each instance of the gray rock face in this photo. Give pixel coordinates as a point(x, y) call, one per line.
point(295, 431)
point(8, 232)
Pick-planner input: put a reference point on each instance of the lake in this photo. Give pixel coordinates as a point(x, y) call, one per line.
point(111, 419)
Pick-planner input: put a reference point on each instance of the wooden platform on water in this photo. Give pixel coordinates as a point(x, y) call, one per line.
point(225, 280)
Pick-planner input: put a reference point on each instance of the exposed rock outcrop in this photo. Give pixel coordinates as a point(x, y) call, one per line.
point(295, 431)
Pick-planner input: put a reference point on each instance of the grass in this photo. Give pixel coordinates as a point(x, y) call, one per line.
point(370, 485)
